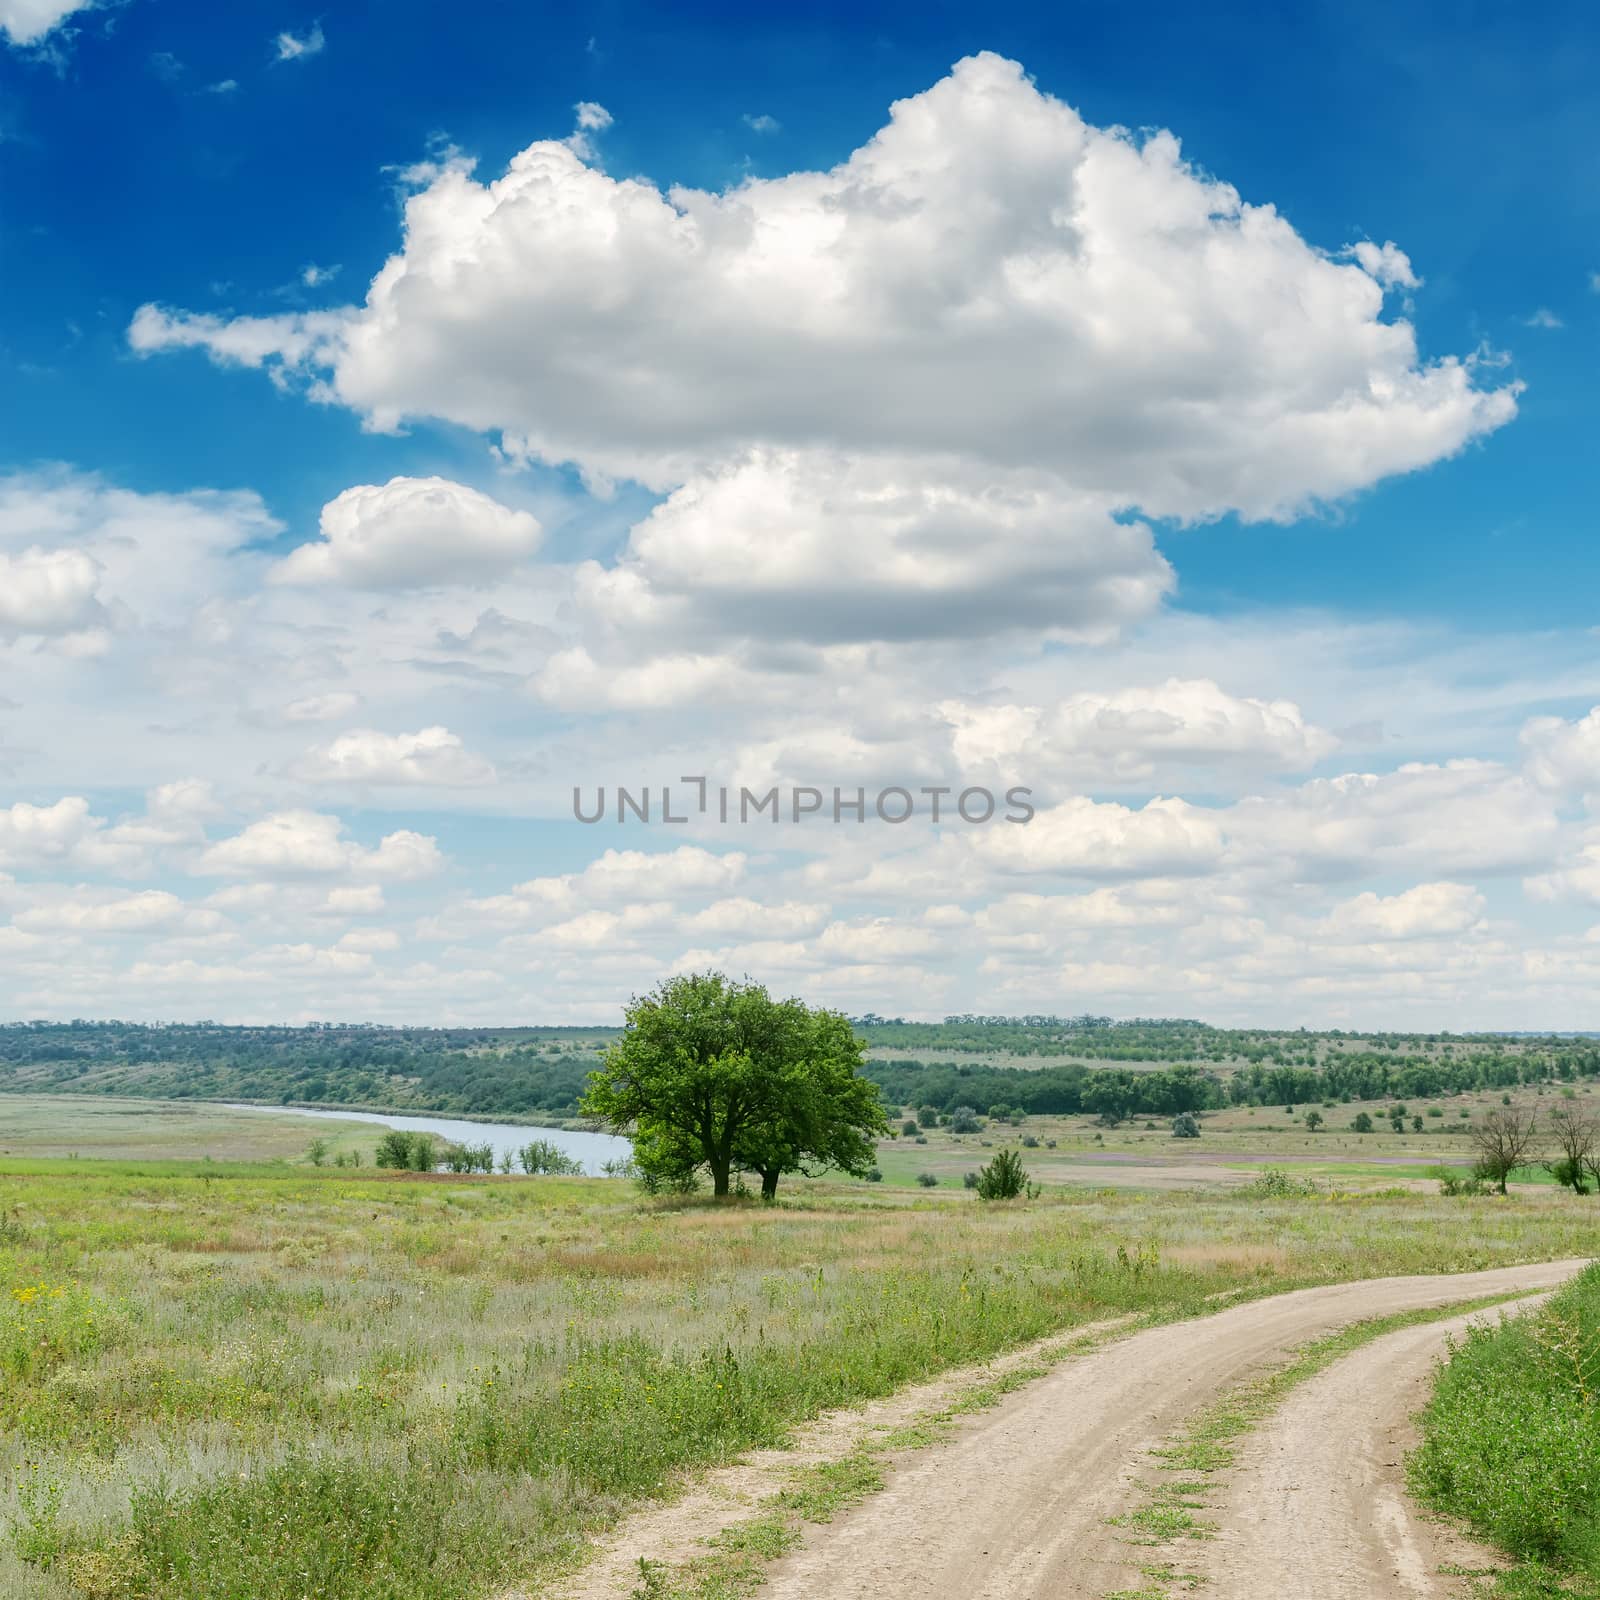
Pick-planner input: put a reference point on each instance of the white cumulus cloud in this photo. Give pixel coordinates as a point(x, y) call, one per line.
point(431, 756)
point(412, 533)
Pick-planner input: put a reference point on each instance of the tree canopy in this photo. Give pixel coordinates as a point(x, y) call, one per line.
point(710, 1072)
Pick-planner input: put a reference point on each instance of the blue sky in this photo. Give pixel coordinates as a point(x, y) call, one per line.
point(240, 171)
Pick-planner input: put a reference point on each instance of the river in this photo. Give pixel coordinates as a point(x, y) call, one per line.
point(592, 1149)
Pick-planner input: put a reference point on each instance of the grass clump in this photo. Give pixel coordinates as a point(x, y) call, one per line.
point(1511, 1440)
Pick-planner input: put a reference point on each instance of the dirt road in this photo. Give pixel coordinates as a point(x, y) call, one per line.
point(1320, 1489)
point(1017, 1503)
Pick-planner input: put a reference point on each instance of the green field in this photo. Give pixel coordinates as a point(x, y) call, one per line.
point(286, 1382)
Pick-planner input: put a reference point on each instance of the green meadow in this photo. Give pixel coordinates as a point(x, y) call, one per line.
point(263, 1381)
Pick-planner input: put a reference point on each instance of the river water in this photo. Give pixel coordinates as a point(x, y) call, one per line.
point(592, 1149)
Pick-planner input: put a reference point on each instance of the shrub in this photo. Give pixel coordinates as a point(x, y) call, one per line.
point(1452, 1182)
point(969, 1180)
point(545, 1156)
point(928, 1116)
point(964, 1120)
point(909, 1128)
point(1276, 1184)
point(874, 1176)
point(927, 1180)
point(1186, 1126)
point(1004, 1178)
point(1030, 1142)
point(404, 1151)
point(1361, 1123)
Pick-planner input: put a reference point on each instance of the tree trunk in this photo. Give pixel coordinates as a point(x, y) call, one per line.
point(719, 1177)
point(769, 1184)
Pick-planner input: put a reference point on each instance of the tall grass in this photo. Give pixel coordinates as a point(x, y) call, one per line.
point(350, 1386)
point(1511, 1439)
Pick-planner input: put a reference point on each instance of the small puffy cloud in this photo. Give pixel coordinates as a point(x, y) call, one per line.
point(616, 875)
point(1561, 755)
point(761, 123)
point(48, 592)
point(1545, 318)
point(412, 533)
point(313, 277)
point(31, 834)
point(1429, 911)
point(743, 918)
point(30, 21)
point(223, 86)
point(87, 911)
point(1125, 735)
point(1386, 263)
point(310, 844)
point(431, 757)
point(289, 46)
point(573, 678)
point(592, 117)
point(1085, 839)
point(1577, 878)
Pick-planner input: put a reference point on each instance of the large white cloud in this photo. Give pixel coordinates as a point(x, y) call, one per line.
point(989, 277)
point(411, 533)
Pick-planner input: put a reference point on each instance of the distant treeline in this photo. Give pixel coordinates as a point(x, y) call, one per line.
point(481, 1071)
point(518, 1071)
point(1117, 1092)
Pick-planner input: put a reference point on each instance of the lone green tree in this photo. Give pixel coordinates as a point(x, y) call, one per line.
point(716, 1073)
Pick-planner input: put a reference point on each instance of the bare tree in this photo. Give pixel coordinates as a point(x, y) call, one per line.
point(1504, 1141)
point(1576, 1135)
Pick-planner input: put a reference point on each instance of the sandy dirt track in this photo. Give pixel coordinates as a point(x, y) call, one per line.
point(1316, 1502)
point(1017, 1503)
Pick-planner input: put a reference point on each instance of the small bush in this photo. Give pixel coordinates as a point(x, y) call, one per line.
point(909, 1128)
point(1004, 1178)
point(1186, 1125)
point(1361, 1123)
point(545, 1156)
point(1452, 1182)
point(874, 1175)
point(1276, 1184)
point(927, 1180)
point(964, 1120)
